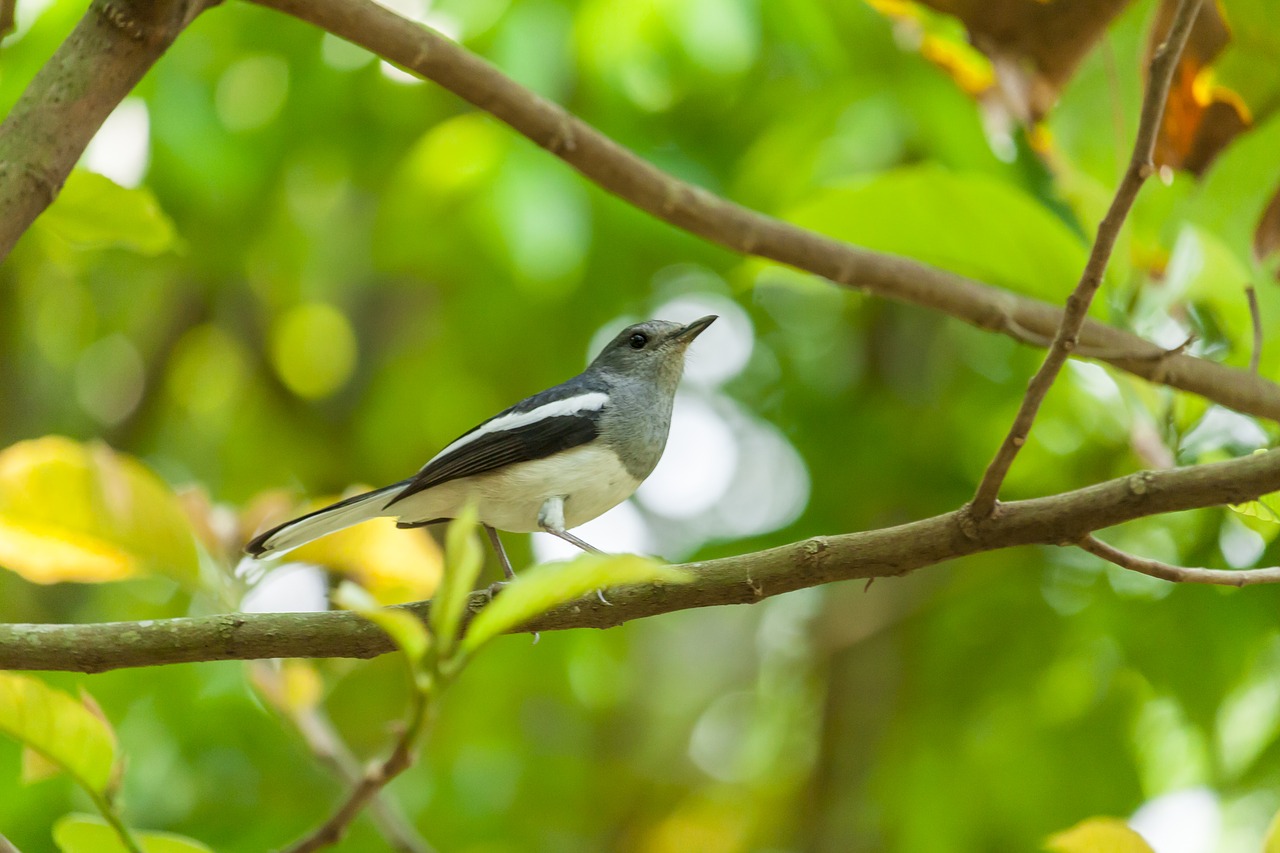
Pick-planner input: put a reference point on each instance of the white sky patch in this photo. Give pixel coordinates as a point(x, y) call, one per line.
point(1241, 546)
point(1186, 821)
point(121, 149)
point(621, 530)
point(414, 10)
point(722, 351)
point(770, 488)
point(289, 588)
point(698, 465)
point(26, 14)
point(396, 74)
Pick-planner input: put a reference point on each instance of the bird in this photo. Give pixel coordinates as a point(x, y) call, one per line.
point(551, 462)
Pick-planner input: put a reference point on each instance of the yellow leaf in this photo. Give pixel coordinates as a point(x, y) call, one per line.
point(1272, 844)
point(294, 686)
point(77, 512)
point(302, 684)
point(393, 564)
point(61, 729)
point(37, 768)
point(1098, 835)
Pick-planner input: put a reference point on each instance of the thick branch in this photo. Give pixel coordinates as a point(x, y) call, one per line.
point(47, 131)
point(1063, 519)
point(1067, 337)
point(621, 172)
point(44, 135)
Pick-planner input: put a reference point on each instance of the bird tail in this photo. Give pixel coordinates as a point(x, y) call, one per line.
point(322, 522)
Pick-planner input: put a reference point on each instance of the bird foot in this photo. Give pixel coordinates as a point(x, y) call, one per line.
point(494, 588)
point(603, 600)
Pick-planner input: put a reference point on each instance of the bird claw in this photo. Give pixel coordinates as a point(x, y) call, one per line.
point(494, 588)
point(603, 600)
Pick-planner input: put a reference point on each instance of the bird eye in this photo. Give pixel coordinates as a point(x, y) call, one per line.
point(638, 340)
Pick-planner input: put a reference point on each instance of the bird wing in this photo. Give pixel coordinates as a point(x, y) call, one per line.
point(557, 419)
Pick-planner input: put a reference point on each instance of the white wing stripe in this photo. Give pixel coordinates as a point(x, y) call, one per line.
point(590, 402)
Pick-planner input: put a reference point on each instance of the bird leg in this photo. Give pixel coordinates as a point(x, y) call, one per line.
point(551, 519)
point(500, 551)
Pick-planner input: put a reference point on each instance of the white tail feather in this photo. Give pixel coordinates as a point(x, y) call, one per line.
point(322, 522)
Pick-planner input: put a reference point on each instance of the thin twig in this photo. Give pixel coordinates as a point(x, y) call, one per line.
point(7, 846)
point(44, 135)
point(743, 579)
point(421, 714)
point(7, 25)
point(332, 752)
point(1177, 574)
point(624, 174)
point(107, 809)
point(102, 72)
point(1067, 337)
point(1256, 315)
point(1149, 352)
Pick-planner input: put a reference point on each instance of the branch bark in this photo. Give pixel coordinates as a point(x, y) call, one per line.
point(1067, 338)
point(7, 25)
point(1176, 574)
point(622, 173)
point(118, 40)
point(1064, 519)
point(105, 56)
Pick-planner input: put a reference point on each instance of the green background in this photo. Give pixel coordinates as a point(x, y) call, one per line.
point(328, 273)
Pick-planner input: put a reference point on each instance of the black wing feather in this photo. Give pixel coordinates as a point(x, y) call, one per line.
point(504, 447)
point(526, 443)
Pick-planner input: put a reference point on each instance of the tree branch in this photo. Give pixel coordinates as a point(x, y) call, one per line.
point(1176, 574)
point(1067, 337)
point(1255, 318)
point(374, 780)
point(329, 749)
point(622, 173)
point(1063, 519)
point(44, 135)
point(7, 25)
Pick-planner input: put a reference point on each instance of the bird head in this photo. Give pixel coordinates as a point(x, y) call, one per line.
point(654, 347)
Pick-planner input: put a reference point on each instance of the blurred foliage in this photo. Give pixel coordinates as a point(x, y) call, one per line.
point(307, 271)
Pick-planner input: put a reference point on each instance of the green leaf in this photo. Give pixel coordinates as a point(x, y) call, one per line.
point(93, 212)
point(82, 512)
point(462, 563)
point(969, 223)
point(544, 587)
point(404, 629)
point(79, 833)
point(58, 727)
point(1098, 835)
point(1265, 508)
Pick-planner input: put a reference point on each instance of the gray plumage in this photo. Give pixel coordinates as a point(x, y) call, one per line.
point(551, 462)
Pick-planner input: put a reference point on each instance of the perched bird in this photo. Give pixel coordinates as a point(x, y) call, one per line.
point(551, 462)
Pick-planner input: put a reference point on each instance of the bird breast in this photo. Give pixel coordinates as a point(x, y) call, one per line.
point(592, 479)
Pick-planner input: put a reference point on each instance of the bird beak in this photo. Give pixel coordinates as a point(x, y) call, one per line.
point(697, 327)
